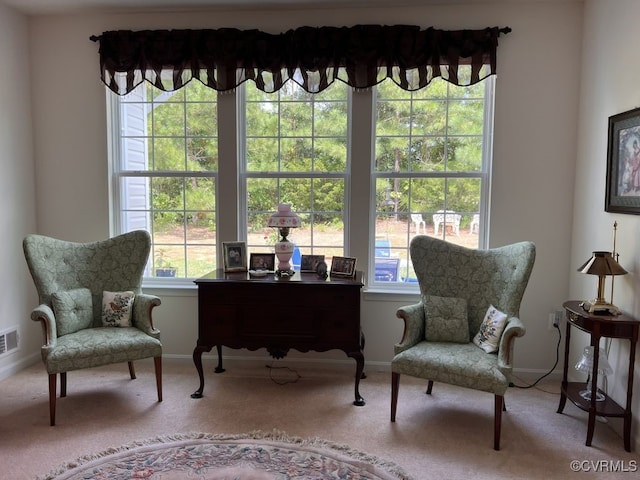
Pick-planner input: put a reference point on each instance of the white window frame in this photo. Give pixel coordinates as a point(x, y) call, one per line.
point(231, 181)
point(484, 175)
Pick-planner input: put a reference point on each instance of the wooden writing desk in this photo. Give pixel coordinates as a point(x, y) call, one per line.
point(303, 312)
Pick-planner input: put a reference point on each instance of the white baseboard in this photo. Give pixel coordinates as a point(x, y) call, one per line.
point(13, 364)
point(261, 360)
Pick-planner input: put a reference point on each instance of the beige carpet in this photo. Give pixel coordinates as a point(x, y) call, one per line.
point(448, 435)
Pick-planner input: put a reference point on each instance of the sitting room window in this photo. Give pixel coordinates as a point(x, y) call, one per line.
point(296, 152)
point(431, 169)
point(164, 172)
point(292, 133)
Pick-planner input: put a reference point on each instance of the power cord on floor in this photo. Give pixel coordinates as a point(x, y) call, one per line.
point(557, 327)
point(283, 382)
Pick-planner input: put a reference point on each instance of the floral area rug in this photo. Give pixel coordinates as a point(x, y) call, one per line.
point(254, 456)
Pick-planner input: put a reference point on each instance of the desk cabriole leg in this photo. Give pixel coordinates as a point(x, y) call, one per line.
point(359, 358)
point(219, 368)
point(197, 360)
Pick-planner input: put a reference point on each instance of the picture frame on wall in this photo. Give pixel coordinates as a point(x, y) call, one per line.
point(235, 256)
point(343, 267)
point(623, 163)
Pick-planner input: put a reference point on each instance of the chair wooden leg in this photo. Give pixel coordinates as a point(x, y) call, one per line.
point(132, 371)
point(157, 361)
point(499, 405)
point(429, 387)
point(53, 377)
point(63, 384)
point(395, 385)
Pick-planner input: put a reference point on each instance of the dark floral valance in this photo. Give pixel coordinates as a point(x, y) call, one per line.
point(314, 57)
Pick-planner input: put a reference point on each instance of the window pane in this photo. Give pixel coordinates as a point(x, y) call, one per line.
point(330, 119)
point(168, 120)
point(428, 169)
point(202, 154)
point(330, 154)
point(173, 132)
point(261, 193)
point(201, 119)
point(169, 154)
point(296, 152)
point(296, 155)
point(262, 154)
point(296, 119)
point(262, 119)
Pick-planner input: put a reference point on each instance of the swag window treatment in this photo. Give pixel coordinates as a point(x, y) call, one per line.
point(314, 57)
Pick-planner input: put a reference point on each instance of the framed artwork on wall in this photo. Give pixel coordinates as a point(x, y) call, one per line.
point(623, 163)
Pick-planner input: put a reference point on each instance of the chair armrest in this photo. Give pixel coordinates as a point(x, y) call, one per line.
point(515, 328)
point(142, 316)
point(44, 314)
point(413, 316)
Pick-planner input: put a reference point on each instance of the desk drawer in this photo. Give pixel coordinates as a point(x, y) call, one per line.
point(274, 323)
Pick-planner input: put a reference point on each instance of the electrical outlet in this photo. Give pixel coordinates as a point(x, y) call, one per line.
point(559, 317)
point(555, 318)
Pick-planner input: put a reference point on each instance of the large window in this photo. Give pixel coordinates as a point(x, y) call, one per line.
point(296, 152)
point(429, 166)
point(164, 163)
point(431, 169)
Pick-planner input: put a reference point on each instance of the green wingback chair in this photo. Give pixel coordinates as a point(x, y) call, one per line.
point(71, 279)
point(467, 282)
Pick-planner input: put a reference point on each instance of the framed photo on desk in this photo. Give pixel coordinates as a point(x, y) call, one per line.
point(262, 261)
point(309, 263)
point(235, 256)
point(343, 267)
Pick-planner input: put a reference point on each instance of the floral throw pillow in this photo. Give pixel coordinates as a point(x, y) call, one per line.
point(116, 309)
point(446, 319)
point(488, 337)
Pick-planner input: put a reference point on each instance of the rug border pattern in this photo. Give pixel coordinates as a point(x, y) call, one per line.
point(273, 436)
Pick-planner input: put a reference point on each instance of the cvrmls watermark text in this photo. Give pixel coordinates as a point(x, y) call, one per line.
point(604, 466)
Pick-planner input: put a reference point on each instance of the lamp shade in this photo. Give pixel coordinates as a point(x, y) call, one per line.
point(602, 263)
point(585, 364)
point(284, 217)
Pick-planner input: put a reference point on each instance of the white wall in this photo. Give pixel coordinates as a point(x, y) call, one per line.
point(610, 80)
point(535, 137)
point(17, 197)
point(540, 131)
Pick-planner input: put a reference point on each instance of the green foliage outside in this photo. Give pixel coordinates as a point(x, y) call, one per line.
point(296, 152)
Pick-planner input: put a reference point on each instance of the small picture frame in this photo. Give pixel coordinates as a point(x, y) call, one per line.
point(343, 267)
point(309, 263)
point(235, 256)
point(262, 261)
point(623, 163)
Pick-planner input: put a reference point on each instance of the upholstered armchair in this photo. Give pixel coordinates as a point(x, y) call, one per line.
point(92, 308)
point(463, 330)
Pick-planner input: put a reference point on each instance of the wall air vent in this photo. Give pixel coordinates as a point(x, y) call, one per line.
point(8, 341)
